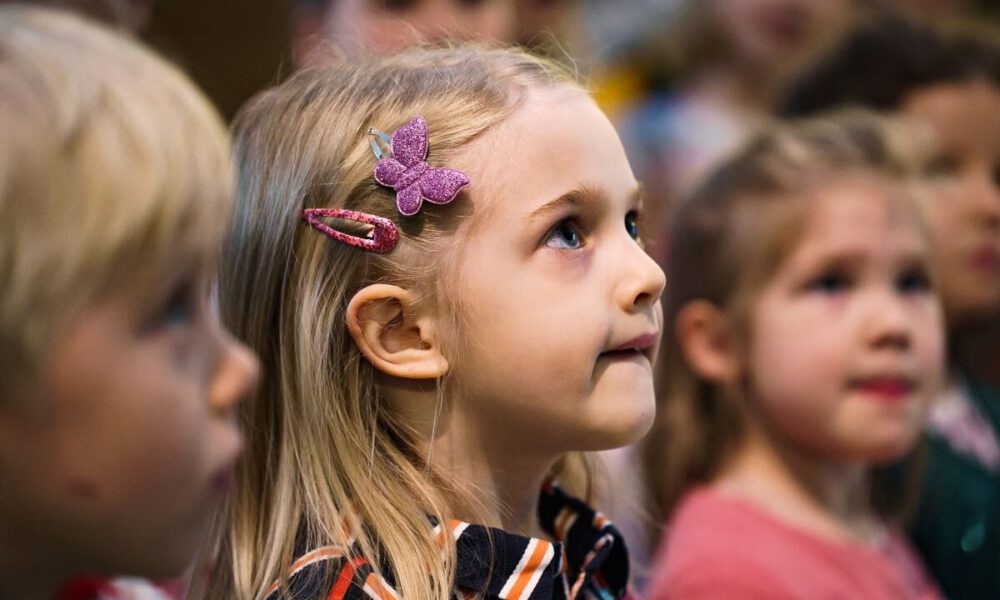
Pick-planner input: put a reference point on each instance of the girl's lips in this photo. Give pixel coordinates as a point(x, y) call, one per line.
point(640, 346)
point(784, 24)
point(886, 389)
point(986, 259)
point(640, 343)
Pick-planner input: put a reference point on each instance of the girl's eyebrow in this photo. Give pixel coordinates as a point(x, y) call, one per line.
point(852, 258)
point(578, 198)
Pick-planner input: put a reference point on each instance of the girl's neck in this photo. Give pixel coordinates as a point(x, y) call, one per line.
point(824, 497)
point(506, 483)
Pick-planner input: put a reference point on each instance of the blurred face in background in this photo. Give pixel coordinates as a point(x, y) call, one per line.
point(963, 210)
point(847, 347)
point(387, 26)
point(768, 32)
point(115, 455)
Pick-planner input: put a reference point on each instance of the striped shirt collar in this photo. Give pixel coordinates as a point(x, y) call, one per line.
point(587, 559)
point(588, 554)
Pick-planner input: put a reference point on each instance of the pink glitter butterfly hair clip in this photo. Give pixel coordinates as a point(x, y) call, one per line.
point(407, 171)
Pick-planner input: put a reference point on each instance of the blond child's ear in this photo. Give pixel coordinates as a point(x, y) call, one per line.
point(705, 336)
point(396, 333)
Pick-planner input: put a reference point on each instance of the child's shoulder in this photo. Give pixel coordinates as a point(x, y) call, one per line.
point(711, 551)
point(721, 546)
point(710, 532)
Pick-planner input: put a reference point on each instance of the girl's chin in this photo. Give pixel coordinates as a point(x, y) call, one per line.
point(624, 430)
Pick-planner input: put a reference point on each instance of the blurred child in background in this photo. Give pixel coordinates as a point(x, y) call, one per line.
point(323, 27)
point(949, 81)
point(805, 345)
point(116, 429)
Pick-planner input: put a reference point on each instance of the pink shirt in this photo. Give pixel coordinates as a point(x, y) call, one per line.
point(718, 547)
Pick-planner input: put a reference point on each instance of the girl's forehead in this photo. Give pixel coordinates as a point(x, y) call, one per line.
point(556, 141)
point(964, 116)
point(864, 210)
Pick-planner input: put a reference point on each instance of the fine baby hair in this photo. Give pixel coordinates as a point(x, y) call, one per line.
point(116, 428)
point(343, 274)
point(727, 239)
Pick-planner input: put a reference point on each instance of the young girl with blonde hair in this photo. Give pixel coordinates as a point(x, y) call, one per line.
point(806, 340)
point(443, 313)
point(117, 436)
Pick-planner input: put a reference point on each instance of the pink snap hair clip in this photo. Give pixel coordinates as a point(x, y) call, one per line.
point(408, 173)
point(382, 238)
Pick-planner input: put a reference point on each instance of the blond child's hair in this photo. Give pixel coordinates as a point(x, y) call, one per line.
point(727, 240)
point(323, 443)
point(112, 167)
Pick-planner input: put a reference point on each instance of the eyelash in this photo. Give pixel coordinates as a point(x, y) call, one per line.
point(572, 225)
point(912, 281)
point(180, 309)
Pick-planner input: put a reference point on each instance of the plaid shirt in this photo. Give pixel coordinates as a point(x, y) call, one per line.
point(587, 562)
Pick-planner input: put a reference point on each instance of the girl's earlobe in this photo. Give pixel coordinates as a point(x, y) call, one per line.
point(396, 334)
point(705, 336)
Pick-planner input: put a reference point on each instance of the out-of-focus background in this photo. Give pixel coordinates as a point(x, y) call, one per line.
point(631, 47)
point(684, 80)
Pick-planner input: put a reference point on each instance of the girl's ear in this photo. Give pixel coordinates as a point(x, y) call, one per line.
point(394, 333)
point(706, 338)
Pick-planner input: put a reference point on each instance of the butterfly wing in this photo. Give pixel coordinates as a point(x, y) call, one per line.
point(388, 171)
point(440, 185)
point(408, 200)
point(409, 142)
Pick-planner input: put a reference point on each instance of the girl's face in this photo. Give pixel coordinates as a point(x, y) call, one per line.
point(125, 440)
point(964, 207)
point(562, 304)
point(846, 339)
point(387, 26)
point(770, 32)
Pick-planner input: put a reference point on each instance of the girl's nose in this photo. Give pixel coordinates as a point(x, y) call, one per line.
point(642, 283)
point(236, 376)
point(982, 193)
point(889, 324)
point(987, 197)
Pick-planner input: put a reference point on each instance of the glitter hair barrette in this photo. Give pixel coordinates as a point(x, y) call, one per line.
point(381, 238)
point(407, 171)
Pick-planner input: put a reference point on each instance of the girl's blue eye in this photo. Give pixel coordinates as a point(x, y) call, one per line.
point(914, 282)
point(632, 224)
point(566, 235)
point(829, 283)
point(179, 311)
